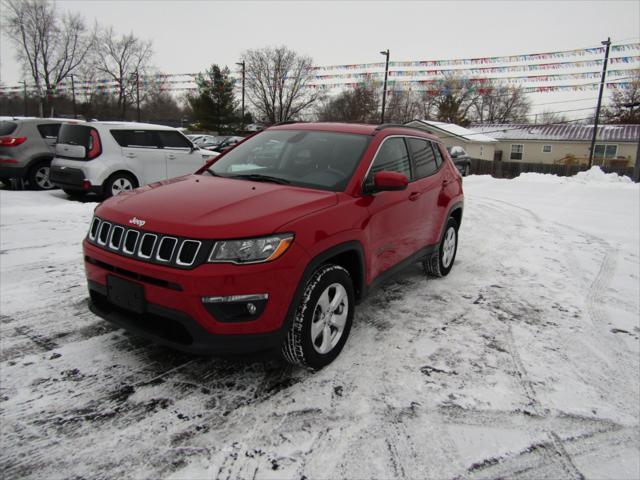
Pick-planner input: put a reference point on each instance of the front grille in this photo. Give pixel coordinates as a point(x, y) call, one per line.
point(148, 246)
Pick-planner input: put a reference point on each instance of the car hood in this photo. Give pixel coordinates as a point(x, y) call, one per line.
point(206, 207)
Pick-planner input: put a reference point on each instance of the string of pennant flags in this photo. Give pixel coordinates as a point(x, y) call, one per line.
point(419, 77)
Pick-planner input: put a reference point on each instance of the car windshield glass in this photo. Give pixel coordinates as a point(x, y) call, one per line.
point(324, 160)
point(7, 128)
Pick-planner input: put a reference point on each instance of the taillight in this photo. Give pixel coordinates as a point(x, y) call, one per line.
point(95, 147)
point(12, 141)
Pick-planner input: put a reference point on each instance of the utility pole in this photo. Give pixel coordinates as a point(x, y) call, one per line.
point(607, 43)
point(24, 84)
point(138, 94)
point(73, 95)
point(242, 64)
point(384, 90)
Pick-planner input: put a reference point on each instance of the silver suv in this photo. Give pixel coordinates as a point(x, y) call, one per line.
point(26, 149)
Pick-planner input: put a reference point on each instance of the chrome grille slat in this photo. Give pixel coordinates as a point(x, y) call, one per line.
point(154, 238)
point(94, 229)
point(179, 261)
point(116, 228)
point(103, 226)
point(135, 242)
point(173, 248)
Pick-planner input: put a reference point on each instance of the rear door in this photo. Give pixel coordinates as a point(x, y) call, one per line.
point(180, 158)
point(142, 150)
point(427, 161)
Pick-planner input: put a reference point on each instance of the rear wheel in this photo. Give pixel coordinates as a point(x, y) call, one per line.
point(39, 176)
point(466, 171)
point(118, 183)
point(439, 264)
point(322, 320)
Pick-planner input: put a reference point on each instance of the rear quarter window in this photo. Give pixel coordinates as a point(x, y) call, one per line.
point(7, 128)
point(75, 135)
point(49, 130)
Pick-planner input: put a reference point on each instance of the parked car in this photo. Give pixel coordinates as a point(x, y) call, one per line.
point(227, 143)
point(272, 245)
point(26, 150)
point(108, 158)
point(461, 160)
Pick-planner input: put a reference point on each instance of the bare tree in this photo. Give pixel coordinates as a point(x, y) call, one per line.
point(498, 103)
point(50, 46)
point(403, 106)
point(450, 100)
point(357, 105)
point(548, 117)
point(625, 104)
point(123, 60)
point(277, 82)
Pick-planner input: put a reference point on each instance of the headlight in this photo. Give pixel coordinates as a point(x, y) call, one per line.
point(251, 250)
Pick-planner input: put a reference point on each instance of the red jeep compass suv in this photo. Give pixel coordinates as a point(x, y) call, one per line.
point(273, 243)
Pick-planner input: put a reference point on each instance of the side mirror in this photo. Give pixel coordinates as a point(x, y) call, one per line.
point(389, 181)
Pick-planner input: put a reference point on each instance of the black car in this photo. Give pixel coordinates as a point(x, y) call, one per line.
point(461, 159)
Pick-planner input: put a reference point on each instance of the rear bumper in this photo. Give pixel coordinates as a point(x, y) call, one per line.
point(177, 330)
point(13, 172)
point(71, 179)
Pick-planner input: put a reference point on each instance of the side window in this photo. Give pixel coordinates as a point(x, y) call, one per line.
point(49, 130)
point(438, 153)
point(135, 138)
point(423, 157)
point(516, 152)
point(170, 139)
point(392, 157)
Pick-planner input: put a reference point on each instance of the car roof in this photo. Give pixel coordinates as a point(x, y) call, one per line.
point(355, 128)
point(133, 125)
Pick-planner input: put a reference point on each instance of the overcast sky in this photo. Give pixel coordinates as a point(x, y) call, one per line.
point(190, 35)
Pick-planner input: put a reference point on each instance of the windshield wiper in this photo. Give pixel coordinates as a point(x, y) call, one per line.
point(261, 178)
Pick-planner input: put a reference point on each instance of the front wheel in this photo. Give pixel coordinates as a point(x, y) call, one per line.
point(322, 321)
point(439, 264)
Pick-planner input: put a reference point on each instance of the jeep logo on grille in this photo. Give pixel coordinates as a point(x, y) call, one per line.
point(137, 221)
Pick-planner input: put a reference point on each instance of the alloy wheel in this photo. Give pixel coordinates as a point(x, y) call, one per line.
point(329, 318)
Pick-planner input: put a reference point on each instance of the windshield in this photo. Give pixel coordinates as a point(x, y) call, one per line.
point(324, 160)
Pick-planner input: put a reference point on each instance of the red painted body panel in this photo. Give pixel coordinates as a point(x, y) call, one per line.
point(390, 226)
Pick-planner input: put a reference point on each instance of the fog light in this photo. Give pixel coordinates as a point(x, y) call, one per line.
point(236, 308)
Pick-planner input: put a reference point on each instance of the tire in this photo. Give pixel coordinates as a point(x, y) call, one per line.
point(39, 176)
point(466, 171)
point(118, 183)
point(440, 263)
point(314, 338)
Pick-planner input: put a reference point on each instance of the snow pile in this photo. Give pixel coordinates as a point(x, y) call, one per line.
point(593, 176)
point(596, 175)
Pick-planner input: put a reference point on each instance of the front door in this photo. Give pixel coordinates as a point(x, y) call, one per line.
point(392, 216)
point(143, 153)
point(180, 156)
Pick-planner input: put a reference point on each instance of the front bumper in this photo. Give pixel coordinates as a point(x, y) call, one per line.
point(175, 314)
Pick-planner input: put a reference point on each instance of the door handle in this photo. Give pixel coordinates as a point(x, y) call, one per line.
point(414, 196)
point(130, 155)
point(446, 182)
point(171, 157)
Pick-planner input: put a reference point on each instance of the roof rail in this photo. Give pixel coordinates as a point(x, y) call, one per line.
point(382, 126)
point(288, 122)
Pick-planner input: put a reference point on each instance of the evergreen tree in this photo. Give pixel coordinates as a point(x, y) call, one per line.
point(214, 105)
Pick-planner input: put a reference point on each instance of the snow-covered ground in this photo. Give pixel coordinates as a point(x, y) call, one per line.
point(523, 363)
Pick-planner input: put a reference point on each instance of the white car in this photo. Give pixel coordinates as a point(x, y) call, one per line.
point(108, 158)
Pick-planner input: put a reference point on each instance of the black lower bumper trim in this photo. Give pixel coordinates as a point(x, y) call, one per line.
point(176, 329)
